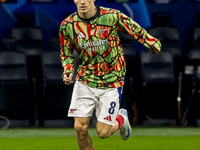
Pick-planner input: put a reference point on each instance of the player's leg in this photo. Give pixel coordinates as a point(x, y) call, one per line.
point(121, 123)
point(105, 130)
point(106, 112)
point(110, 118)
point(82, 136)
point(81, 108)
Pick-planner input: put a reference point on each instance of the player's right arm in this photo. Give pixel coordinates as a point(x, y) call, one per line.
point(67, 79)
point(66, 49)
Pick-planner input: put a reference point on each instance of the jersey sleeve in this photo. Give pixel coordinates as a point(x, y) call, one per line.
point(132, 28)
point(66, 48)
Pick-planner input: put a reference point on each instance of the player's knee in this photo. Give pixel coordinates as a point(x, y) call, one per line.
point(81, 130)
point(103, 134)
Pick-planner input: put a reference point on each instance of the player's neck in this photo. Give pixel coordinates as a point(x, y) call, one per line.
point(89, 14)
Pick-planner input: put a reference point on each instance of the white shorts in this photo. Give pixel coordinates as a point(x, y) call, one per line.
point(105, 101)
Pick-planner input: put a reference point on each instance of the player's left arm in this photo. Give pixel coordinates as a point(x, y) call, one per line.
point(131, 27)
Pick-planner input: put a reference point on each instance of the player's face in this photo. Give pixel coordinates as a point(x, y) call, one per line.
point(86, 8)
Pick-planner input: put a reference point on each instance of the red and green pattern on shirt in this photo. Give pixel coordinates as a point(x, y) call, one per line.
point(97, 43)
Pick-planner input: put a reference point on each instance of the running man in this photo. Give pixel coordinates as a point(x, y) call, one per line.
point(92, 32)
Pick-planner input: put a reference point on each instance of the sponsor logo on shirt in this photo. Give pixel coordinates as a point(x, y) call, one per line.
point(94, 45)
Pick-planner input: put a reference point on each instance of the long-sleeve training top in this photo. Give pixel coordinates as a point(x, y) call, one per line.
point(96, 40)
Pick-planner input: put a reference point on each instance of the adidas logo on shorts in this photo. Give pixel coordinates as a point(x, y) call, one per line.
point(108, 118)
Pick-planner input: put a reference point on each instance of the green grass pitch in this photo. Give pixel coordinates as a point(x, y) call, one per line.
point(142, 138)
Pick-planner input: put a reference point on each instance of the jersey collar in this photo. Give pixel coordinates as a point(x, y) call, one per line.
point(93, 17)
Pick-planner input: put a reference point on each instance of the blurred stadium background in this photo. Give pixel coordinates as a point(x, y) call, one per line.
point(159, 89)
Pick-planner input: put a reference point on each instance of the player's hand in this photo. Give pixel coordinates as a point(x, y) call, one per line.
point(68, 79)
